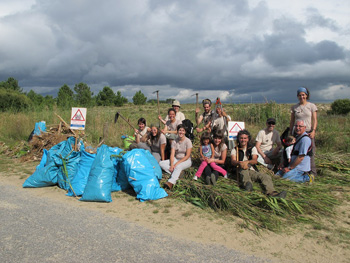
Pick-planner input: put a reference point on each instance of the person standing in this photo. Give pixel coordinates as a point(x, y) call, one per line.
point(205, 117)
point(306, 111)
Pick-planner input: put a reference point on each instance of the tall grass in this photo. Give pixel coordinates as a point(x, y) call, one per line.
point(333, 132)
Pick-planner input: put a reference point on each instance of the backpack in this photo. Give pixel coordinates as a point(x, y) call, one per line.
point(284, 137)
point(309, 150)
point(189, 129)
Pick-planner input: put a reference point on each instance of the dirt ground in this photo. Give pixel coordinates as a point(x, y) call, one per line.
point(299, 243)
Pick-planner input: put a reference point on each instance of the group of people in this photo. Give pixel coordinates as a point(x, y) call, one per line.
point(292, 158)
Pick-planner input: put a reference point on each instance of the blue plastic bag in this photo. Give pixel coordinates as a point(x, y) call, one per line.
point(122, 178)
point(99, 184)
point(39, 127)
point(142, 175)
point(115, 151)
point(45, 174)
point(67, 160)
point(79, 181)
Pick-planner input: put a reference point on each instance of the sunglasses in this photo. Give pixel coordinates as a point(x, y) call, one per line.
point(271, 123)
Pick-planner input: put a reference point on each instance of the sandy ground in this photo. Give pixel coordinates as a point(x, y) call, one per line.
point(173, 217)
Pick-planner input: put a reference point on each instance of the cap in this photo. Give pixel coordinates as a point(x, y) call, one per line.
point(271, 120)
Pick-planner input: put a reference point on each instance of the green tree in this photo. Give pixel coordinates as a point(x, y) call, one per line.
point(65, 97)
point(49, 101)
point(11, 84)
point(341, 106)
point(120, 100)
point(83, 96)
point(106, 97)
point(37, 99)
point(139, 98)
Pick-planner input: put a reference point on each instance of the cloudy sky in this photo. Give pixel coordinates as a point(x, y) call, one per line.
point(240, 50)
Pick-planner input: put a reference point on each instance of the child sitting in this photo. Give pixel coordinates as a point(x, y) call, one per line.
point(206, 153)
point(287, 153)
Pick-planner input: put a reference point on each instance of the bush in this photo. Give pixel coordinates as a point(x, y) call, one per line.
point(13, 100)
point(341, 107)
point(139, 98)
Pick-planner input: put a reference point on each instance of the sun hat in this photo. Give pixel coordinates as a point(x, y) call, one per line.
point(176, 103)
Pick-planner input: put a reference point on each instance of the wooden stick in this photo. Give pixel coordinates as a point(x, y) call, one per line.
point(65, 124)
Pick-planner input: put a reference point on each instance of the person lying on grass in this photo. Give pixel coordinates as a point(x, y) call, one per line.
point(246, 163)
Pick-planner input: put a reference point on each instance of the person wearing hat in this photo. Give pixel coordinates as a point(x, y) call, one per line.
point(264, 143)
point(179, 115)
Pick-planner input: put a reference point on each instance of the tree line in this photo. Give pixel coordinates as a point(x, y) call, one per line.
point(12, 97)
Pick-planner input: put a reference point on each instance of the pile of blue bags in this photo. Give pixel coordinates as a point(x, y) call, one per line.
point(93, 176)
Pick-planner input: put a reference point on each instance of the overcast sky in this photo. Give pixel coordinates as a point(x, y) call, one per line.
point(240, 50)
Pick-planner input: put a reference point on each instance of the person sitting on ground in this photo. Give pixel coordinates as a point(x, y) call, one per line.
point(299, 167)
point(290, 141)
point(246, 163)
point(206, 153)
point(142, 130)
point(205, 117)
point(179, 115)
point(153, 141)
point(265, 140)
point(220, 153)
point(170, 129)
point(180, 157)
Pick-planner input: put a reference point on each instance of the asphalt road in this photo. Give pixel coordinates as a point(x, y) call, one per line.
point(36, 229)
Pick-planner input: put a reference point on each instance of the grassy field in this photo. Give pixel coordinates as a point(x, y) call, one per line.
point(304, 204)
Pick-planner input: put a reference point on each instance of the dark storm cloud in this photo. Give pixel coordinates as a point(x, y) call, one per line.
point(240, 49)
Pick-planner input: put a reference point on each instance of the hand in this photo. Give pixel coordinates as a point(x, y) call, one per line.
point(172, 167)
point(244, 165)
point(286, 170)
point(312, 134)
point(211, 160)
point(199, 129)
point(267, 160)
point(197, 110)
point(159, 117)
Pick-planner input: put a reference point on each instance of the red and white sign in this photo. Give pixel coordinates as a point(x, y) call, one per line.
point(233, 128)
point(78, 119)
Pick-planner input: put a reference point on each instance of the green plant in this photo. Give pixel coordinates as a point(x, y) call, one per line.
point(340, 106)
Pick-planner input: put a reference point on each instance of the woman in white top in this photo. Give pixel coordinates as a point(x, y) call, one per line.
point(180, 157)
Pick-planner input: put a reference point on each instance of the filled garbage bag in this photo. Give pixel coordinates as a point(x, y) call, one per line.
point(115, 151)
point(67, 161)
point(99, 183)
point(80, 179)
point(39, 127)
point(45, 173)
point(122, 178)
point(142, 175)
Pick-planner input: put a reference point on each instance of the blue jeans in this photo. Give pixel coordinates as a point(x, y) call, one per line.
point(296, 175)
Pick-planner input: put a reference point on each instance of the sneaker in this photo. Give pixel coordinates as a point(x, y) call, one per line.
point(225, 176)
point(248, 187)
point(311, 178)
point(213, 178)
point(282, 194)
point(207, 180)
point(195, 178)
